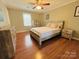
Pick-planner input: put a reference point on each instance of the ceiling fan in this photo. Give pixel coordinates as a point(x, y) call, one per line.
point(39, 4)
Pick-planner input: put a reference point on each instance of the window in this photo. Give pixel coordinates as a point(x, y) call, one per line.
point(27, 19)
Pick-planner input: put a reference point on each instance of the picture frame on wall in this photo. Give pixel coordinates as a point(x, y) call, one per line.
point(76, 14)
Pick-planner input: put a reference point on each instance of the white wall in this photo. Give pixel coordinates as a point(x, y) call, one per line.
point(6, 17)
point(16, 19)
point(66, 13)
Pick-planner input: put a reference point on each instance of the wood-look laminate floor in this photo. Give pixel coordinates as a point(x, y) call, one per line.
point(55, 48)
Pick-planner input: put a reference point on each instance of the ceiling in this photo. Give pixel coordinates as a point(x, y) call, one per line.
point(24, 4)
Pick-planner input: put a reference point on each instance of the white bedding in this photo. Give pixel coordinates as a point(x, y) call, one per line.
point(43, 32)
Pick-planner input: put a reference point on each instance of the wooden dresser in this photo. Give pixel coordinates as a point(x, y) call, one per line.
point(7, 42)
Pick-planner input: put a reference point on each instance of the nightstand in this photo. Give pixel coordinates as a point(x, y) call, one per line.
point(67, 33)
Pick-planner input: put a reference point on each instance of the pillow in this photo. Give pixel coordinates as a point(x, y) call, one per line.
point(54, 25)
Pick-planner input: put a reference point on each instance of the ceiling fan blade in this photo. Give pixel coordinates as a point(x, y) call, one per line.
point(37, 1)
point(46, 4)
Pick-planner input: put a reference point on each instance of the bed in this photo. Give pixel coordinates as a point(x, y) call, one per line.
point(44, 33)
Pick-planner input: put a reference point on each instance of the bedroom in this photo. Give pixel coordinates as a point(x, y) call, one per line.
point(51, 49)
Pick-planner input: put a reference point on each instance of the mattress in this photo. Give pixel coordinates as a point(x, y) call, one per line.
point(43, 32)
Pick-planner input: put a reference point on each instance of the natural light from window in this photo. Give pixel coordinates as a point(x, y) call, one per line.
point(27, 19)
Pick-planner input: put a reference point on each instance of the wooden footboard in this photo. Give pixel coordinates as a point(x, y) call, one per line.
point(36, 37)
point(39, 39)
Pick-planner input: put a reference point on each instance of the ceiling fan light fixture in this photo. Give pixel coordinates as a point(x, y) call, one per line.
point(38, 7)
point(39, 4)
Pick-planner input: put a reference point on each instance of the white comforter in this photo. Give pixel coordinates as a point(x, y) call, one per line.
point(45, 31)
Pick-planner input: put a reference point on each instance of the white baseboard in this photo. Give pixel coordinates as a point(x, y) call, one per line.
point(75, 38)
